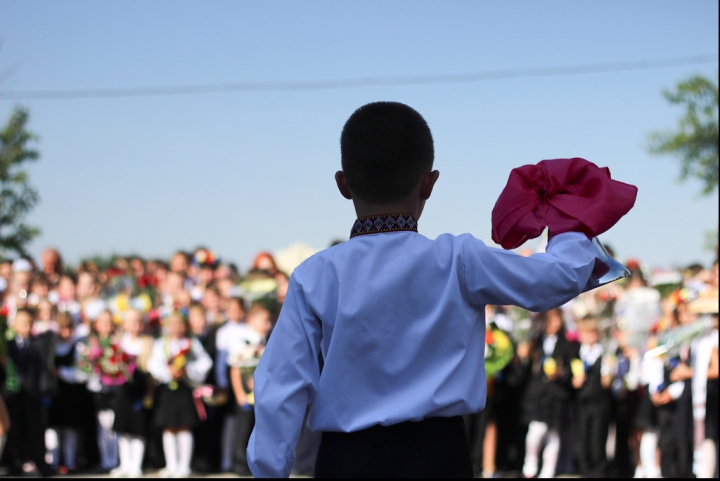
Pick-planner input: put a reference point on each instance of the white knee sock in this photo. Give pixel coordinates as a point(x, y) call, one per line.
point(170, 447)
point(707, 461)
point(137, 450)
point(107, 439)
point(227, 449)
point(124, 451)
point(3, 438)
point(185, 445)
point(648, 450)
point(70, 443)
point(52, 446)
point(550, 454)
point(533, 443)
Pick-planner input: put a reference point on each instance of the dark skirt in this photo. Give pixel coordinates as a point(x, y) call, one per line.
point(434, 447)
point(128, 407)
point(175, 408)
point(66, 408)
point(646, 414)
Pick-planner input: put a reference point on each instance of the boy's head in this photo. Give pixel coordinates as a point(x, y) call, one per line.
point(66, 325)
point(22, 324)
point(235, 310)
point(588, 330)
point(197, 319)
point(386, 148)
point(259, 318)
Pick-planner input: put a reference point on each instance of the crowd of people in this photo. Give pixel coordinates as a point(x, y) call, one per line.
point(146, 364)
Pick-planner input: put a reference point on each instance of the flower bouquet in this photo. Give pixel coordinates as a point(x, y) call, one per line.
point(247, 358)
point(179, 360)
point(107, 360)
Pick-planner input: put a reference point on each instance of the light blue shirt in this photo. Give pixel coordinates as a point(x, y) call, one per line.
point(390, 327)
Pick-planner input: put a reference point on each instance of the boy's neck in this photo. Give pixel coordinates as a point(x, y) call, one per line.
point(414, 207)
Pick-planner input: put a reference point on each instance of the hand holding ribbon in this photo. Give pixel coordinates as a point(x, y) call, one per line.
point(564, 195)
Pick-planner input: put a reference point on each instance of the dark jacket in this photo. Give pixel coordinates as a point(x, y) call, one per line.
point(32, 367)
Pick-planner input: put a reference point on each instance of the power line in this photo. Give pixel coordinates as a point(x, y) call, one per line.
point(359, 82)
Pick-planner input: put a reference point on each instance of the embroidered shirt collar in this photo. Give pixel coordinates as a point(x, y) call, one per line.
point(376, 224)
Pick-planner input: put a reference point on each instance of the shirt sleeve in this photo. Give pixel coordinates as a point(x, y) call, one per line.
point(537, 283)
point(157, 364)
point(285, 382)
point(198, 368)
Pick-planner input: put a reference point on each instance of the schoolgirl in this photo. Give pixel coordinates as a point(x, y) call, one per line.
point(129, 403)
point(547, 397)
point(66, 417)
point(178, 363)
point(105, 370)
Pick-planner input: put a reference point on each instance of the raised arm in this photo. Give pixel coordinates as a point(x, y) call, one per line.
point(537, 283)
point(285, 383)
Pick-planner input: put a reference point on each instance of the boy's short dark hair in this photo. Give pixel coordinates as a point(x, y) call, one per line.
point(385, 147)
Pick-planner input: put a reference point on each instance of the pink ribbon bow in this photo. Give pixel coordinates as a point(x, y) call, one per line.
point(565, 195)
point(198, 394)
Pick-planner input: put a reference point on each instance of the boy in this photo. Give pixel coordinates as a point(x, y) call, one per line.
point(593, 399)
point(25, 406)
point(385, 333)
point(258, 321)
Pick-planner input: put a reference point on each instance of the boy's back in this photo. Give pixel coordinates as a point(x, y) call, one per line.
point(395, 323)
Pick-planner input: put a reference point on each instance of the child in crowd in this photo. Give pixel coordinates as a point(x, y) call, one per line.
point(591, 378)
point(177, 362)
point(68, 405)
point(25, 400)
point(242, 359)
point(385, 333)
point(103, 381)
point(129, 402)
point(547, 397)
point(232, 333)
point(208, 433)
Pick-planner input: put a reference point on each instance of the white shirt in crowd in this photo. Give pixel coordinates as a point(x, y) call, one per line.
point(229, 337)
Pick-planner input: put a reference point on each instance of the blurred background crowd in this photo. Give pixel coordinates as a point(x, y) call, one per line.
point(128, 364)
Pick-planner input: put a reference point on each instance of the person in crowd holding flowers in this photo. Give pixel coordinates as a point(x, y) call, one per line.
point(178, 363)
point(106, 368)
point(70, 400)
point(591, 377)
point(131, 399)
point(547, 397)
point(243, 358)
point(26, 394)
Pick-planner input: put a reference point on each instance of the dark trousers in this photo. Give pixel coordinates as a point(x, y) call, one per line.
point(206, 456)
point(434, 447)
point(245, 424)
point(676, 452)
point(593, 420)
point(26, 438)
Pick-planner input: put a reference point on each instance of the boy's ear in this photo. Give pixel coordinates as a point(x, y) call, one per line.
point(428, 183)
point(343, 185)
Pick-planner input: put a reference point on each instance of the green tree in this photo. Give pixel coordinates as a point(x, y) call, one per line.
point(695, 141)
point(17, 196)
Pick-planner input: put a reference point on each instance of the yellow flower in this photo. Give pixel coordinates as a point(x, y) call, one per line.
point(179, 362)
point(550, 366)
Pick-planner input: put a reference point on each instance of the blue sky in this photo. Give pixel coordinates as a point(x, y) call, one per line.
point(248, 171)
